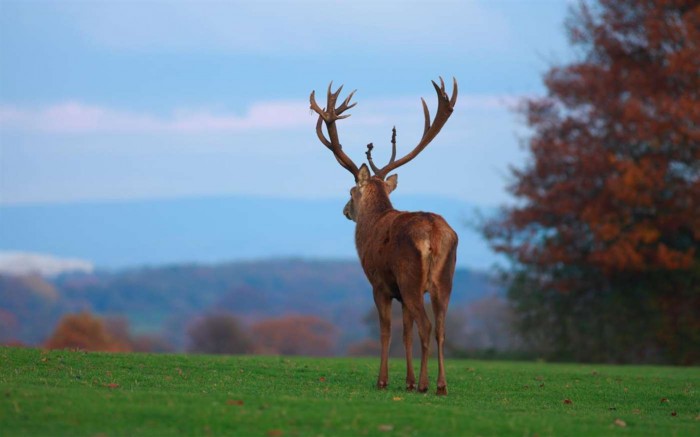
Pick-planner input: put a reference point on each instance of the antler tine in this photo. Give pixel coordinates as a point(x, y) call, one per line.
point(370, 146)
point(344, 106)
point(314, 106)
point(445, 107)
point(329, 115)
point(426, 115)
point(374, 168)
point(332, 96)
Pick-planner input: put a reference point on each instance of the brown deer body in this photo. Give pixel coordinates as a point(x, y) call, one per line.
point(403, 254)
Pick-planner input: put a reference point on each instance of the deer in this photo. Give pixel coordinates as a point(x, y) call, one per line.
point(403, 254)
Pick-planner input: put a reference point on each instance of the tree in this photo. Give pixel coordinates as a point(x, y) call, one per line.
point(294, 335)
point(219, 333)
point(29, 307)
point(605, 236)
point(87, 332)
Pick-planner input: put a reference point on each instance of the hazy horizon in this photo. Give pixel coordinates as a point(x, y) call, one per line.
point(212, 229)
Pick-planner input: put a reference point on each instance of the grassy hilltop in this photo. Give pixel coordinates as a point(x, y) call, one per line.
point(77, 393)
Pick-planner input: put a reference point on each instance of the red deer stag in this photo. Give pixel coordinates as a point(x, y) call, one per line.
point(403, 254)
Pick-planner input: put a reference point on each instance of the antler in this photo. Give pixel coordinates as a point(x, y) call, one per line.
point(446, 105)
point(370, 146)
point(329, 115)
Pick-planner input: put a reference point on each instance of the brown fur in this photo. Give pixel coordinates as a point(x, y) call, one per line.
point(404, 255)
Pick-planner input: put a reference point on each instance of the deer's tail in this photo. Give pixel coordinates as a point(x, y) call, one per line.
point(442, 259)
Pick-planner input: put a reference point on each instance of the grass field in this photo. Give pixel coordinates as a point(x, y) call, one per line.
point(95, 394)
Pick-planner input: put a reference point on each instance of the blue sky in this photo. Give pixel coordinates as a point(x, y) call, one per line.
point(103, 100)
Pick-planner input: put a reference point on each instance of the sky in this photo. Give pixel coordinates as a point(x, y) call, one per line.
point(120, 100)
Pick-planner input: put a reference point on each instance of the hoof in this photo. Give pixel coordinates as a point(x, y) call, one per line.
point(423, 389)
point(381, 385)
point(441, 391)
point(410, 387)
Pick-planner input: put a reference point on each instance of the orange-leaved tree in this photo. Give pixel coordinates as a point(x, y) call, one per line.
point(605, 234)
point(294, 335)
point(86, 332)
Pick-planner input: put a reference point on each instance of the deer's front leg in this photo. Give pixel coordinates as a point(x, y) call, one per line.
point(383, 303)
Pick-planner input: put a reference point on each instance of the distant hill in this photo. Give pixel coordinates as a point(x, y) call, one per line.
point(122, 234)
point(165, 299)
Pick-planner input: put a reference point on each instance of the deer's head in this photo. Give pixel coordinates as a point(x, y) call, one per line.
point(370, 189)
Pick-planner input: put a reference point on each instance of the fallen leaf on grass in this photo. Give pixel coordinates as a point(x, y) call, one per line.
point(322, 379)
point(385, 428)
point(398, 398)
point(112, 385)
point(664, 400)
point(275, 433)
point(568, 401)
point(234, 402)
point(619, 422)
point(674, 414)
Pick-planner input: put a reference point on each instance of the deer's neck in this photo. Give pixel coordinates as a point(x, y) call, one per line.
point(369, 216)
point(374, 206)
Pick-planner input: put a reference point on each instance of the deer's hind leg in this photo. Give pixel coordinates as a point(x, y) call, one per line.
point(440, 290)
point(408, 345)
point(412, 290)
point(413, 283)
point(440, 311)
point(383, 302)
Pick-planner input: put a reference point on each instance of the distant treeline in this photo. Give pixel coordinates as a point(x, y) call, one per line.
point(163, 306)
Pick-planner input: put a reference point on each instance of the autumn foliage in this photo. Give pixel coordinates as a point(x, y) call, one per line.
point(85, 332)
point(294, 335)
point(605, 236)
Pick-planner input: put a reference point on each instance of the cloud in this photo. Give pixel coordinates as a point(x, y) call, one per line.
point(25, 263)
point(78, 117)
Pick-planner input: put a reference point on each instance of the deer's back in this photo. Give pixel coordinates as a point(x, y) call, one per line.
point(397, 239)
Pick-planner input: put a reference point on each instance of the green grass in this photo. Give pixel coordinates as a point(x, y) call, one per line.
point(95, 394)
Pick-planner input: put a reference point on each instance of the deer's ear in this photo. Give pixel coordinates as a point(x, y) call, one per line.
point(363, 175)
point(392, 181)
